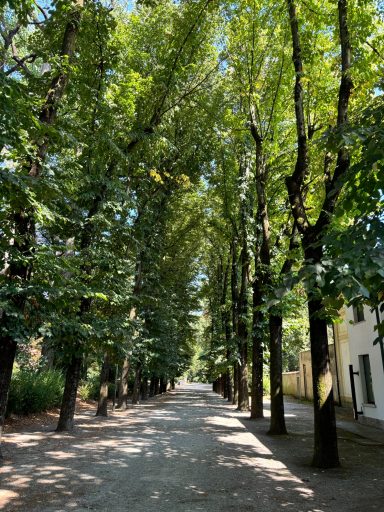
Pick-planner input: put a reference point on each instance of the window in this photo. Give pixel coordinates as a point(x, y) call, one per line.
point(366, 378)
point(358, 313)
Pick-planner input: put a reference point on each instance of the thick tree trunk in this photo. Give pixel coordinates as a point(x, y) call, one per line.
point(152, 386)
point(68, 405)
point(325, 450)
point(157, 385)
point(8, 352)
point(229, 386)
point(102, 407)
point(123, 386)
point(173, 384)
point(144, 388)
point(235, 397)
point(257, 409)
point(225, 384)
point(163, 384)
point(277, 424)
point(137, 385)
point(243, 397)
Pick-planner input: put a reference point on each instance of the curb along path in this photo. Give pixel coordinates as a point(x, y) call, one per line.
point(185, 451)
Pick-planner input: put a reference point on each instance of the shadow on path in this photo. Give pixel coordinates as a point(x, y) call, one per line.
point(185, 451)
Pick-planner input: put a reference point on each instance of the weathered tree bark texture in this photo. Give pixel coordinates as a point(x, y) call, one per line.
point(68, 405)
point(277, 423)
point(243, 398)
point(235, 397)
point(235, 316)
point(144, 388)
point(137, 384)
point(8, 353)
point(102, 406)
point(257, 410)
point(122, 401)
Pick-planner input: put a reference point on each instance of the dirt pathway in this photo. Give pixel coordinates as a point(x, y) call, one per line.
point(182, 452)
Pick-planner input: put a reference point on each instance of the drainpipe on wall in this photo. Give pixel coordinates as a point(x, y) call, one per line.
point(356, 413)
point(380, 337)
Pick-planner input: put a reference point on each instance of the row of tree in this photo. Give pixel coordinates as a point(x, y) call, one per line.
point(294, 193)
point(175, 153)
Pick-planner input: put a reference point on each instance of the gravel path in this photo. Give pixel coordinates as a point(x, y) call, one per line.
point(187, 451)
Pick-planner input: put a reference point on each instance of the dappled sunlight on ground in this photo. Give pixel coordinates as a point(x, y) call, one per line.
point(186, 451)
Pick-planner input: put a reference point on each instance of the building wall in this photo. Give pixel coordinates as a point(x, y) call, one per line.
point(291, 383)
point(361, 336)
point(351, 342)
point(343, 357)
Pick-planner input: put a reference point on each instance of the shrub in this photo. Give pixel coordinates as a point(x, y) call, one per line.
point(35, 391)
point(266, 385)
point(89, 389)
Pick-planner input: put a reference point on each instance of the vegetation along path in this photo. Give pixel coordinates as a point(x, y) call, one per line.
point(188, 450)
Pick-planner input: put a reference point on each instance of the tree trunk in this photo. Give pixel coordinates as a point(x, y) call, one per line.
point(157, 386)
point(152, 386)
point(8, 353)
point(163, 384)
point(229, 386)
point(137, 385)
point(144, 388)
point(277, 424)
point(102, 407)
point(68, 405)
point(173, 384)
point(225, 384)
point(325, 450)
point(257, 408)
point(243, 398)
point(235, 397)
point(123, 386)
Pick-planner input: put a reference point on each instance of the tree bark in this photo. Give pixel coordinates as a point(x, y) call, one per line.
point(144, 388)
point(7, 358)
point(257, 409)
point(235, 397)
point(102, 407)
point(277, 423)
point(242, 321)
point(123, 386)
point(262, 274)
point(157, 386)
point(163, 384)
point(152, 386)
point(68, 405)
point(137, 384)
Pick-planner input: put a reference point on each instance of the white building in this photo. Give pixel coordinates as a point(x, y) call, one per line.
point(361, 362)
point(357, 367)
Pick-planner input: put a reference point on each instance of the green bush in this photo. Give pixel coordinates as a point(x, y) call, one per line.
point(89, 389)
point(266, 385)
point(35, 391)
point(84, 390)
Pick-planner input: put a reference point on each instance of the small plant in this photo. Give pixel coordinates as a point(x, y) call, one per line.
point(35, 391)
point(266, 385)
point(89, 389)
